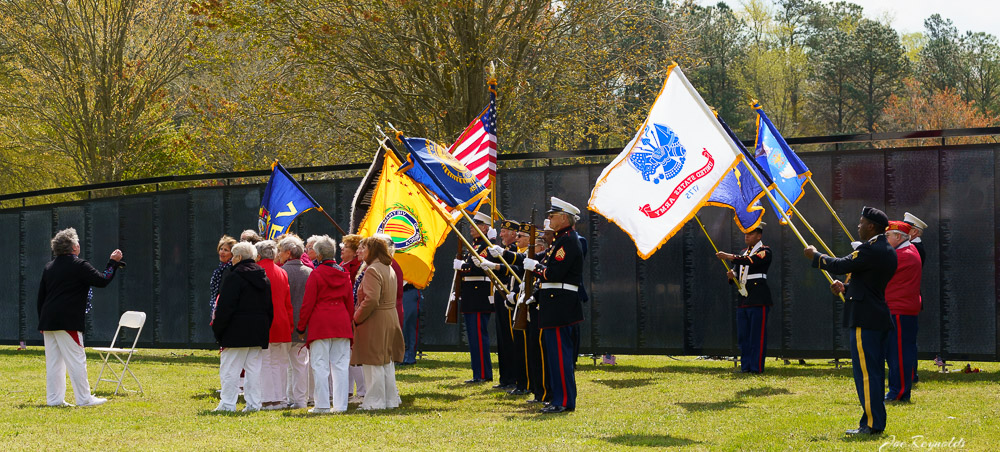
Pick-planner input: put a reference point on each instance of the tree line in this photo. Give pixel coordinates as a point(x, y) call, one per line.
point(97, 91)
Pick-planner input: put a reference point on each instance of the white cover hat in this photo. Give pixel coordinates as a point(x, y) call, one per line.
point(910, 218)
point(559, 205)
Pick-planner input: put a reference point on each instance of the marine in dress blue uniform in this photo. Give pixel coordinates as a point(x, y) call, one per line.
point(750, 270)
point(476, 304)
point(506, 357)
point(866, 315)
point(514, 254)
point(559, 308)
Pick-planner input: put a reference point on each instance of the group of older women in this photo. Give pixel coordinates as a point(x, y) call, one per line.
point(343, 315)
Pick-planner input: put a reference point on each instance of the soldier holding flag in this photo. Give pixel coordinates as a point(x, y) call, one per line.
point(559, 307)
point(751, 325)
point(476, 303)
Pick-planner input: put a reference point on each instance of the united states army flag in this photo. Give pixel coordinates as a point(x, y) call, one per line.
point(669, 170)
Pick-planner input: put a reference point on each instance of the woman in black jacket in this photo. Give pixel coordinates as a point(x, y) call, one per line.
point(63, 302)
point(242, 325)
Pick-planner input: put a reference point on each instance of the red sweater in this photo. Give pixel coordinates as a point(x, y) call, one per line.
point(281, 298)
point(903, 292)
point(352, 266)
point(328, 304)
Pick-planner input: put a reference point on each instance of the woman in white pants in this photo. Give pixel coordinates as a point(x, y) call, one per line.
point(63, 303)
point(379, 337)
point(326, 312)
point(242, 324)
point(274, 367)
point(299, 388)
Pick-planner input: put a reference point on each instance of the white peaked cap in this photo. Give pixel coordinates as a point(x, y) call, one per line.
point(482, 218)
point(910, 218)
point(559, 205)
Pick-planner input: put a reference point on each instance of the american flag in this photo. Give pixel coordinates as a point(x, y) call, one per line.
point(476, 148)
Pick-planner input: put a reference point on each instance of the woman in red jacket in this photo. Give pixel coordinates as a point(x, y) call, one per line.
point(274, 366)
point(327, 311)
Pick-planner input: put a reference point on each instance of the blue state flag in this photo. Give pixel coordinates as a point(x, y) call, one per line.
point(740, 191)
point(284, 200)
point(432, 166)
point(785, 169)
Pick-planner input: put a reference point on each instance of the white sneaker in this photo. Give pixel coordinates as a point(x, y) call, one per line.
point(276, 406)
point(296, 406)
point(95, 401)
point(64, 404)
point(248, 410)
point(319, 411)
point(356, 399)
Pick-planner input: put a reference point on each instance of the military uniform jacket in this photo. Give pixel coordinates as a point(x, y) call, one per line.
point(871, 267)
point(758, 292)
point(477, 289)
point(563, 264)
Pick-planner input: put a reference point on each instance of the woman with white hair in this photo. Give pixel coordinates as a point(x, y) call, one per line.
point(242, 326)
point(274, 377)
point(299, 376)
point(63, 303)
point(327, 310)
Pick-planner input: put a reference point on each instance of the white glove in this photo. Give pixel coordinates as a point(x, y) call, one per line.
point(530, 300)
point(520, 298)
point(743, 291)
point(451, 297)
point(530, 264)
point(510, 297)
point(496, 251)
point(491, 234)
point(487, 265)
point(458, 264)
point(855, 245)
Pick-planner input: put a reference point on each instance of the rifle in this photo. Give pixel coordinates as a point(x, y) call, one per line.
point(451, 313)
point(521, 310)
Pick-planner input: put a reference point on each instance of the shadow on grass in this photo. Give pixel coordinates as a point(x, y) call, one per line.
point(210, 394)
point(236, 413)
point(414, 378)
point(626, 383)
point(720, 372)
point(408, 399)
point(737, 401)
point(633, 439)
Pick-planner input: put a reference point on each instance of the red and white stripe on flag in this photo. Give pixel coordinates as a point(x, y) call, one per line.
point(669, 169)
point(476, 148)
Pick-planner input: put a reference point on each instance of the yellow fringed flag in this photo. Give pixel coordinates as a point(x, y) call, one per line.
point(399, 209)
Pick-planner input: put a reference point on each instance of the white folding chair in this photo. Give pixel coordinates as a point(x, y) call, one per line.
point(130, 319)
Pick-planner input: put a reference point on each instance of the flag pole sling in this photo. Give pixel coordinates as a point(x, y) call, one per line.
point(830, 208)
point(787, 220)
point(444, 215)
point(724, 264)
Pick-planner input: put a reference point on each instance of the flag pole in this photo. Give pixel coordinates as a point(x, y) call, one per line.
point(445, 216)
point(328, 217)
point(787, 220)
point(830, 208)
point(805, 223)
point(505, 264)
point(739, 286)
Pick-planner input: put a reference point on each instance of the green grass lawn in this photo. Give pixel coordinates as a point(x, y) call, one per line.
point(644, 401)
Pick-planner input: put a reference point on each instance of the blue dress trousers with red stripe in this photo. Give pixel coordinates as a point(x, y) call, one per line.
point(754, 309)
point(560, 313)
point(476, 305)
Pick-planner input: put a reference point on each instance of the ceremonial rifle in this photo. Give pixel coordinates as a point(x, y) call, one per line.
point(451, 313)
point(521, 310)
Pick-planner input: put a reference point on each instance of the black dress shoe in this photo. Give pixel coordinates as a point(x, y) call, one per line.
point(505, 387)
point(516, 391)
point(474, 381)
point(534, 401)
point(866, 430)
point(553, 409)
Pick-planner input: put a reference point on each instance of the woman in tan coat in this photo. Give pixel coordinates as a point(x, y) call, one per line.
point(378, 340)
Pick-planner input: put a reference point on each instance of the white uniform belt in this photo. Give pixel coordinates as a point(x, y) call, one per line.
point(757, 276)
point(475, 278)
point(554, 285)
